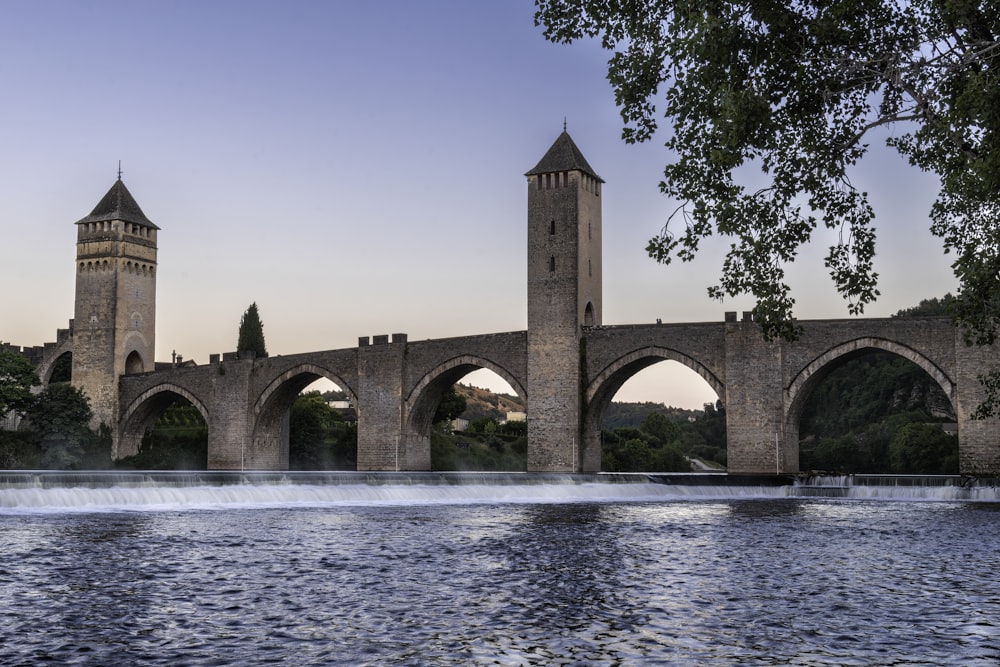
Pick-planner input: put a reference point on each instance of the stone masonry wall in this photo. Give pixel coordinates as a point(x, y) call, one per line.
point(754, 403)
point(380, 375)
point(979, 440)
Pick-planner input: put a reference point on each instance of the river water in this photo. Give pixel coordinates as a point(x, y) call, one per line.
point(590, 574)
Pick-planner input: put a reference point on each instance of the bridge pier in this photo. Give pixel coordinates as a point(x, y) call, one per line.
point(230, 440)
point(382, 442)
point(755, 420)
point(978, 439)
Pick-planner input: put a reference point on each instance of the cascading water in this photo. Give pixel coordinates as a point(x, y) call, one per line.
point(897, 487)
point(44, 491)
point(156, 491)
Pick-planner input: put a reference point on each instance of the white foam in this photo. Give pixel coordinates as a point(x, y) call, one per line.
point(228, 496)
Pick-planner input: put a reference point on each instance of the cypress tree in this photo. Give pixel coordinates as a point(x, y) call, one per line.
point(251, 337)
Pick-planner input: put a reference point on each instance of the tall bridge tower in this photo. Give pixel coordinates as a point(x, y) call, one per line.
point(564, 294)
point(115, 306)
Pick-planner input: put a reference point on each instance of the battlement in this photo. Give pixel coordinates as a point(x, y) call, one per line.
point(384, 339)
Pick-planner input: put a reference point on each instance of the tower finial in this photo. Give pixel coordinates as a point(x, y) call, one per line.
point(119, 170)
point(564, 129)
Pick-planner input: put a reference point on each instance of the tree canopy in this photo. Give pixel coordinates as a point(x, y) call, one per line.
point(60, 418)
point(17, 377)
point(792, 91)
point(251, 335)
point(452, 406)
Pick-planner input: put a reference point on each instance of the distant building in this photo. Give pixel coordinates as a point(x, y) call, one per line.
point(517, 416)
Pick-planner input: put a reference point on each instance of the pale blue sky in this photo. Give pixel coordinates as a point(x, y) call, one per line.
point(356, 168)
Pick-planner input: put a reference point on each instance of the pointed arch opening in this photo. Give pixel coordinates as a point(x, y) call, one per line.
point(654, 410)
point(876, 407)
point(61, 369)
point(164, 429)
point(467, 414)
point(323, 428)
point(134, 363)
point(297, 425)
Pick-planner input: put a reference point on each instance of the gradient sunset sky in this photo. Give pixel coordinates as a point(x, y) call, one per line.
point(355, 168)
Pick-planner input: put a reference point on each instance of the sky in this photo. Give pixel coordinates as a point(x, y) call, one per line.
point(355, 168)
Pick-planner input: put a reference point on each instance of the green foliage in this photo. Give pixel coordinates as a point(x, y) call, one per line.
point(923, 448)
point(452, 405)
point(770, 107)
point(698, 434)
point(660, 428)
point(251, 334)
point(655, 447)
point(928, 307)
point(17, 377)
point(632, 414)
point(513, 429)
point(335, 395)
point(855, 413)
point(863, 390)
point(319, 438)
point(496, 451)
point(19, 451)
point(60, 420)
point(483, 426)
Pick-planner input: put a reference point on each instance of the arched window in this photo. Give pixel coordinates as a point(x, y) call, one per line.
point(133, 364)
point(552, 264)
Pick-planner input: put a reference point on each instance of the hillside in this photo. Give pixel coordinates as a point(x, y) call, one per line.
point(484, 403)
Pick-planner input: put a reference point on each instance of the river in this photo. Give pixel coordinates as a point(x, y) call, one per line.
point(550, 574)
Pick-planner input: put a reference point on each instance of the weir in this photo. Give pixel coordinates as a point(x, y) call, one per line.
point(83, 491)
point(897, 487)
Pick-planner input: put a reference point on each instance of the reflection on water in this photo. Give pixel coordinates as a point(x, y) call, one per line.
point(714, 582)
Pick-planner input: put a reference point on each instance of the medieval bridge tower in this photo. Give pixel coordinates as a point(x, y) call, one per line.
point(564, 295)
point(114, 326)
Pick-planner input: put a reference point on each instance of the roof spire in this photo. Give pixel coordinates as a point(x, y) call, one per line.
point(564, 129)
point(563, 156)
point(119, 170)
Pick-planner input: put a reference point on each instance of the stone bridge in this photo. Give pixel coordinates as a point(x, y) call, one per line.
point(396, 386)
point(566, 366)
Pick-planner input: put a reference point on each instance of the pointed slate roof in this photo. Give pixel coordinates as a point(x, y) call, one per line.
point(118, 204)
point(563, 156)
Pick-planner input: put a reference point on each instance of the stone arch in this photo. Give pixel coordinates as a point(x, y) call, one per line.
point(806, 379)
point(269, 448)
point(140, 415)
point(606, 384)
point(814, 372)
point(61, 369)
point(423, 399)
point(48, 364)
point(588, 315)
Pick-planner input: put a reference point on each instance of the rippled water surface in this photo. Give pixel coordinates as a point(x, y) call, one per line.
point(713, 582)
